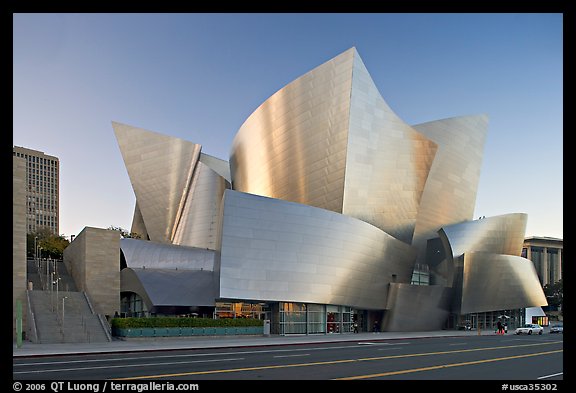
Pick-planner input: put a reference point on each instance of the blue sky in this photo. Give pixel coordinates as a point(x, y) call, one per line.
point(199, 76)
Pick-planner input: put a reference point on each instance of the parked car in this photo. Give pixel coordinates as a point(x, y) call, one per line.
point(530, 328)
point(558, 328)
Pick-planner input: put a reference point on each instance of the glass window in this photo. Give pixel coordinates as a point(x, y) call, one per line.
point(316, 319)
point(292, 318)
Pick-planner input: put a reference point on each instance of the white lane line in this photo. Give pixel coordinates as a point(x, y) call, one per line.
point(550, 376)
point(292, 356)
point(371, 343)
point(458, 344)
point(180, 356)
point(123, 366)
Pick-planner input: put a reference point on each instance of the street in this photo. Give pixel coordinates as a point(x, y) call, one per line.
point(506, 358)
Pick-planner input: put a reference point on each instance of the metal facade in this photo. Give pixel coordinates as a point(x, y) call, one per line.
point(283, 251)
point(329, 198)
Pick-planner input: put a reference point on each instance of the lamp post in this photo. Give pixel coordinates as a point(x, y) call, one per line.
point(63, 298)
point(36, 251)
point(56, 282)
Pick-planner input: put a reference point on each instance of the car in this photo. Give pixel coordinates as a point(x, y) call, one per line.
point(530, 328)
point(558, 328)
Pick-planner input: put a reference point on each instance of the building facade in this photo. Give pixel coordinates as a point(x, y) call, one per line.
point(19, 281)
point(331, 212)
point(546, 253)
point(42, 189)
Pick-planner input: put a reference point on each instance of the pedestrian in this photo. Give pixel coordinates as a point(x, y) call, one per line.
point(500, 327)
point(376, 328)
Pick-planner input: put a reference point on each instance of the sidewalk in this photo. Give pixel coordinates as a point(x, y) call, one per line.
point(203, 342)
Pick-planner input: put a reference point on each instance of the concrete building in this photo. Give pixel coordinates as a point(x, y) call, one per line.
point(546, 253)
point(19, 281)
point(42, 189)
point(93, 261)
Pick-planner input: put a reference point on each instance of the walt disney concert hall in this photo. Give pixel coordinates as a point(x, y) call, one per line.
point(330, 211)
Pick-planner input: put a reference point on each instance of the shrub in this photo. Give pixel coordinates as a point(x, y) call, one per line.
point(160, 322)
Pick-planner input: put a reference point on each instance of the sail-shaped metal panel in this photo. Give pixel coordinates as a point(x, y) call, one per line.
point(160, 169)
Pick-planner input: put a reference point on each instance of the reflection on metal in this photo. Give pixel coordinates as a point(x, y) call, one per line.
point(417, 307)
point(198, 222)
point(293, 147)
point(329, 140)
point(329, 198)
point(450, 192)
point(169, 275)
point(283, 251)
point(498, 238)
point(172, 181)
point(499, 282)
point(138, 226)
point(151, 255)
point(387, 161)
point(167, 287)
point(499, 234)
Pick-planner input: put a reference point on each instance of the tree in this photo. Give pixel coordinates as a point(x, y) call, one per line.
point(554, 294)
point(52, 245)
point(124, 233)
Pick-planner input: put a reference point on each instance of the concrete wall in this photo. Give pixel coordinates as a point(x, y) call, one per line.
point(93, 260)
point(18, 239)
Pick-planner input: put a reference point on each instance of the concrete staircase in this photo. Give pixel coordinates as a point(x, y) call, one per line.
point(63, 316)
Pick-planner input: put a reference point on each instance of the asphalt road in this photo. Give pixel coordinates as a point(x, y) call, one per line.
point(505, 358)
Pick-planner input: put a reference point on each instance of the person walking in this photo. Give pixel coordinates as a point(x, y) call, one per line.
point(500, 327)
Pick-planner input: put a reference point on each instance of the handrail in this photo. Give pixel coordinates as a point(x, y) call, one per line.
point(89, 303)
point(103, 323)
point(105, 326)
point(33, 337)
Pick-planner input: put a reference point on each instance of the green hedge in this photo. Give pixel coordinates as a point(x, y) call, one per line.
point(158, 322)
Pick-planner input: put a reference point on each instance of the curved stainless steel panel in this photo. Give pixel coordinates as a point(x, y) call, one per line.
point(499, 282)
point(167, 287)
point(502, 234)
point(387, 162)
point(160, 168)
point(138, 225)
point(283, 251)
point(293, 146)
point(449, 196)
point(152, 255)
point(219, 166)
point(129, 282)
point(416, 307)
point(198, 224)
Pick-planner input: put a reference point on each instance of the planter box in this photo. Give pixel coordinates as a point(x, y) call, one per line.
point(188, 331)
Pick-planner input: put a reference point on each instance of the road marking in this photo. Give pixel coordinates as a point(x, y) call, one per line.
point(124, 366)
point(387, 349)
point(233, 370)
point(292, 356)
point(371, 343)
point(550, 376)
point(184, 355)
point(414, 370)
point(458, 344)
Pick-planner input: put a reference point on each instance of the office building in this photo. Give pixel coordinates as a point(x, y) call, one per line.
point(42, 189)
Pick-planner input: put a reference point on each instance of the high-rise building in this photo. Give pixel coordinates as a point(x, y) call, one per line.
point(42, 189)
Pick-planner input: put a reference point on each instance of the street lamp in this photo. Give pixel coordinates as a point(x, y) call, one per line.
point(64, 298)
point(56, 282)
